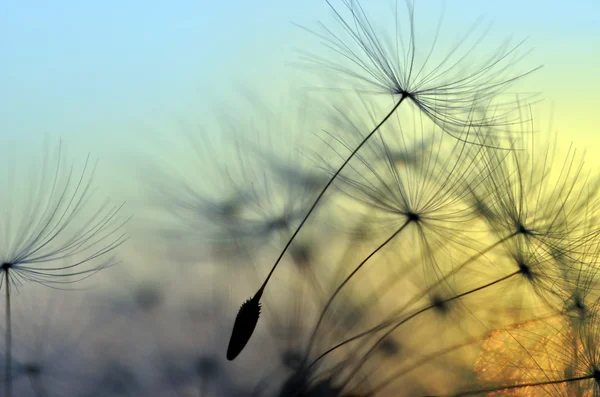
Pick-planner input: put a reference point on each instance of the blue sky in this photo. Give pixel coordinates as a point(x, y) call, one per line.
point(107, 73)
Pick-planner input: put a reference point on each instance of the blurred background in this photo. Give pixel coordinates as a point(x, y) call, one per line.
point(131, 81)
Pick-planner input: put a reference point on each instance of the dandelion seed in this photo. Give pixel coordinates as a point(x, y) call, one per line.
point(429, 190)
point(446, 87)
point(440, 304)
point(580, 289)
point(445, 102)
point(245, 323)
point(530, 192)
point(427, 195)
point(46, 221)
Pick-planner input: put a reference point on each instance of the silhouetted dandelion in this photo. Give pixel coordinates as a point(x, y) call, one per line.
point(50, 235)
point(448, 93)
point(447, 85)
point(537, 195)
point(427, 194)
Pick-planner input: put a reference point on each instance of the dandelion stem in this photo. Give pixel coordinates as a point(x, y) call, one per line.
point(425, 309)
point(8, 339)
point(339, 170)
point(246, 333)
point(390, 322)
point(343, 283)
point(522, 385)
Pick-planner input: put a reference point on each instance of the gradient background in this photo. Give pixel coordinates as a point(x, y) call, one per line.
point(122, 79)
point(102, 75)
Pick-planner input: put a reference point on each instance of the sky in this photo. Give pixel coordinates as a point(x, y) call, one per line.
point(109, 77)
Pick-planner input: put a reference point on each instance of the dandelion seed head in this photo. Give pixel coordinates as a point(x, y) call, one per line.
point(579, 304)
point(576, 307)
point(243, 327)
point(427, 187)
point(525, 270)
point(440, 304)
point(413, 217)
point(449, 84)
point(53, 235)
point(521, 229)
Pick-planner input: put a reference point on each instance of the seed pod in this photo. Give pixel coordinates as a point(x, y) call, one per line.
point(244, 326)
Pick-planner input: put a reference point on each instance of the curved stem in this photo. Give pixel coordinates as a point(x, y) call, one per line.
point(522, 385)
point(343, 283)
point(257, 296)
point(423, 310)
point(410, 303)
point(313, 206)
point(8, 340)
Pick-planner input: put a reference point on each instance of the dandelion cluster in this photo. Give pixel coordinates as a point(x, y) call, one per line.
point(408, 231)
point(454, 222)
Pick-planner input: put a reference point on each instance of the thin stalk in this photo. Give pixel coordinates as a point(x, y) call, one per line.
point(313, 206)
point(382, 290)
point(453, 272)
point(425, 309)
point(343, 283)
point(414, 300)
point(8, 339)
point(354, 239)
point(522, 385)
point(249, 312)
